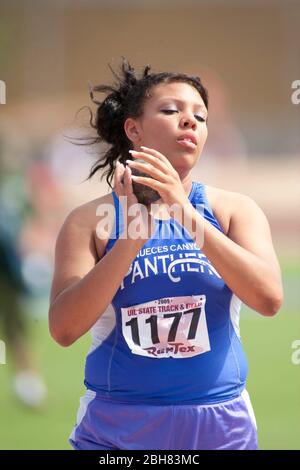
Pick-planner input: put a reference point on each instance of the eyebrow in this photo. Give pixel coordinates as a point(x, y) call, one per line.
point(200, 105)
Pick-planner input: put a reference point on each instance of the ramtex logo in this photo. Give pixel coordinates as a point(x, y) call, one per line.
point(2, 92)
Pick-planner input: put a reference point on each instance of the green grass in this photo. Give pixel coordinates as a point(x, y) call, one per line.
point(62, 369)
point(273, 382)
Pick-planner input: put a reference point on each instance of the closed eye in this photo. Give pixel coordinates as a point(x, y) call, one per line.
point(169, 111)
point(166, 111)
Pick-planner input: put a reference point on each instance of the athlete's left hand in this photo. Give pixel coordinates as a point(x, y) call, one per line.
point(164, 178)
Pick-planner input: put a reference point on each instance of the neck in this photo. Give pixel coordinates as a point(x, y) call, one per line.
point(186, 182)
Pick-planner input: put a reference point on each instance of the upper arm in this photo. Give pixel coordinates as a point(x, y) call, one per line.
point(249, 228)
point(75, 252)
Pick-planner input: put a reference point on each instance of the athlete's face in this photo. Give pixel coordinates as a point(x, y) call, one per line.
point(172, 110)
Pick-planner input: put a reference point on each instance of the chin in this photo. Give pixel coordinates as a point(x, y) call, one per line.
point(184, 163)
point(183, 160)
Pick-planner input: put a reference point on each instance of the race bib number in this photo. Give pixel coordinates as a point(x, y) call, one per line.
point(169, 327)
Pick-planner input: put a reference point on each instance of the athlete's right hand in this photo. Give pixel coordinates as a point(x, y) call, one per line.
point(124, 191)
point(123, 184)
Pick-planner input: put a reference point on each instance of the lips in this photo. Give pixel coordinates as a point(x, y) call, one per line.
point(188, 138)
point(187, 144)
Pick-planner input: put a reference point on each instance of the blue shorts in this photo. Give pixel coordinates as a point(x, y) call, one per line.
point(104, 424)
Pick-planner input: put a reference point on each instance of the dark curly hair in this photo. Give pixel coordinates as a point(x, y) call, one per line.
point(125, 99)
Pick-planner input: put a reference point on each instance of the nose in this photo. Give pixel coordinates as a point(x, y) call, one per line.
point(188, 122)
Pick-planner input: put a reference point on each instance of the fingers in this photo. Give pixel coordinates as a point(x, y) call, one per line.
point(152, 183)
point(127, 181)
point(158, 155)
point(119, 172)
point(159, 169)
point(122, 180)
point(161, 163)
point(149, 169)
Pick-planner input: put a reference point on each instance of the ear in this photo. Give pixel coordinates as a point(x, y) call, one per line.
point(132, 130)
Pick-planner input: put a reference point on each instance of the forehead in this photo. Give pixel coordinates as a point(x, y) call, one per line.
point(178, 91)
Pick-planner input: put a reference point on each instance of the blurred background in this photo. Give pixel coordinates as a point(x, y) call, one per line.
point(247, 53)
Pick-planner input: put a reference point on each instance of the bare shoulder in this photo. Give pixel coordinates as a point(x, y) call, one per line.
point(86, 212)
point(231, 199)
point(76, 252)
point(221, 202)
point(227, 205)
point(86, 217)
point(248, 225)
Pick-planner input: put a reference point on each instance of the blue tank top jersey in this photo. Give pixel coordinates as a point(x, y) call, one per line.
point(171, 332)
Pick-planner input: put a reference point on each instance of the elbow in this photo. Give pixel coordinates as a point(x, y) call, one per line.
point(61, 338)
point(272, 304)
point(59, 335)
